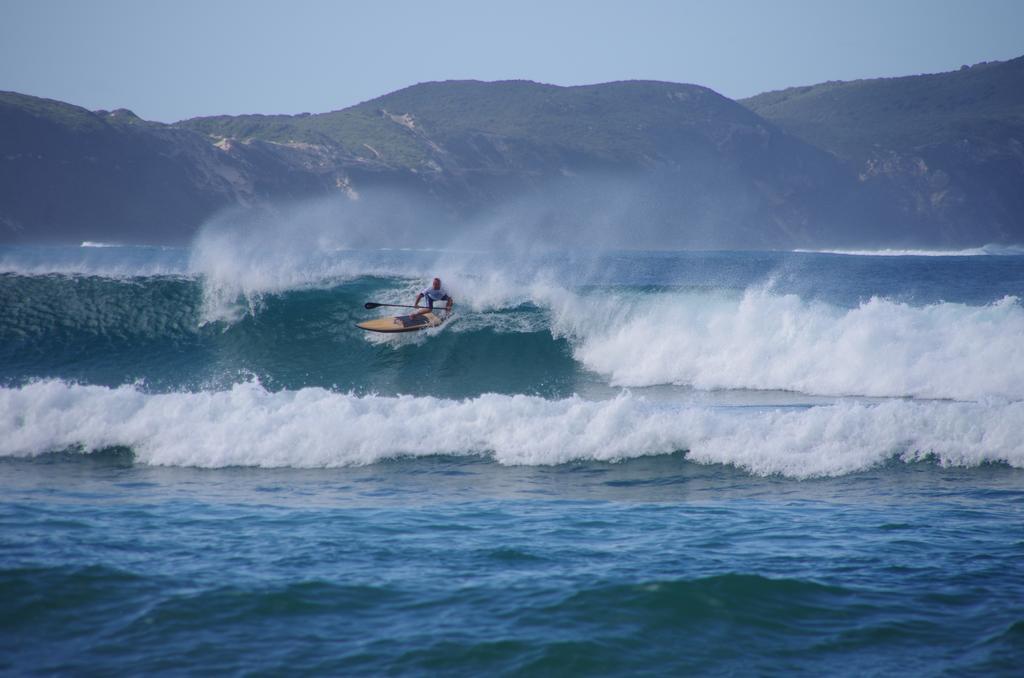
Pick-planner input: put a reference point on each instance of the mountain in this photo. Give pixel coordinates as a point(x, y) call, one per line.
point(684, 158)
point(636, 163)
point(675, 165)
point(947, 148)
point(69, 174)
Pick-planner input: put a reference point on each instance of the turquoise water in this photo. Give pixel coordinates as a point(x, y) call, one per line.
point(708, 463)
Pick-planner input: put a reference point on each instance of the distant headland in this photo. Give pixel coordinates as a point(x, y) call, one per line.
point(925, 160)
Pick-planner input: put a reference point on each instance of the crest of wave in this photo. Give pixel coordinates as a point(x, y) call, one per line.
point(763, 340)
point(313, 427)
point(243, 254)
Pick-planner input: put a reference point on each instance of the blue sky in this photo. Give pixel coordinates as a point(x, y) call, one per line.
point(173, 60)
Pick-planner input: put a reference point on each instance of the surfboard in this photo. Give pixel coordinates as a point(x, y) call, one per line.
point(402, 323)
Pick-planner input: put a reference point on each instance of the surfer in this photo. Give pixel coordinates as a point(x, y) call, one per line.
point(434, 293)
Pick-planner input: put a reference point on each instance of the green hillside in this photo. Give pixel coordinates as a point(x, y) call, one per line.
point(614, 122)
point(946, 149)
point(932, 160)
point(984, 102)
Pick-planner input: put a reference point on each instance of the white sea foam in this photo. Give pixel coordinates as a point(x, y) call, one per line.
point(985, 250)
point(238, 273)
point(763, 340)
point(759, 339)
point(313, 427)
point(110, 245)
point(107, 262)
point(243, 257)
point(240, 262)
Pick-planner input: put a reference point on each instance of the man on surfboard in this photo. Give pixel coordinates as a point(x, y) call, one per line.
point(434, 293)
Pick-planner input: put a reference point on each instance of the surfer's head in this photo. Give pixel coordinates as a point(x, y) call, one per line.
point(437, 283)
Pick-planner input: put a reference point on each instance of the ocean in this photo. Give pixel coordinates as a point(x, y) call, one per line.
point(605, 463)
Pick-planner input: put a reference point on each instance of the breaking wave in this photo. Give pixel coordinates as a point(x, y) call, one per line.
point(764, 340)
point(248, 425)
point(155, 328)
point(985, 250)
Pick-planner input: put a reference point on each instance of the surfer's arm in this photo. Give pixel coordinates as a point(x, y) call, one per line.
point(418, 297)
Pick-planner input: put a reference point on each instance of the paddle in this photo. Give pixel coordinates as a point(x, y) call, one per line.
point(373, 304)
